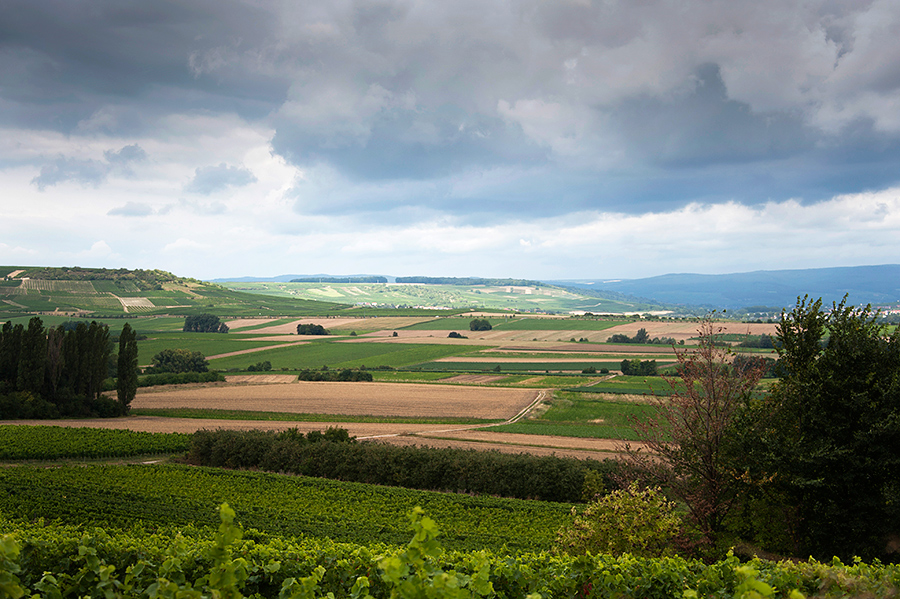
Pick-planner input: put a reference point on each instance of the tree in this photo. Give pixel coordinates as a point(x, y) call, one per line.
point(32, 358)
point(480, 324)
point(99, 350)
point(204, 323)
point(127, 373)
point(822, 448)
point(178, 360)
point(311, 329)
point(10, 347)
point(686, 440)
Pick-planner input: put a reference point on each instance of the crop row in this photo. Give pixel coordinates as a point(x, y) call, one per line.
point(56, 442)
point(123, 496)
point(63, 562)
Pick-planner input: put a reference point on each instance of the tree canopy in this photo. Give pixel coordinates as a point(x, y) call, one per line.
point(820, 452)
point(178, 360)
point(480, 324)
point(204, 323)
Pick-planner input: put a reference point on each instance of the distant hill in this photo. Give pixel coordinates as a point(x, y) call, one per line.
point(100, 292)
point(877, 285)
point(292, 278)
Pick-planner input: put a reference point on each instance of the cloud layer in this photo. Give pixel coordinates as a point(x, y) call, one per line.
point(576, 138)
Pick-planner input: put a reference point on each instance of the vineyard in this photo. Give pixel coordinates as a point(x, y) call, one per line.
point(52, 442)
point(150, 530)
point(61, 561)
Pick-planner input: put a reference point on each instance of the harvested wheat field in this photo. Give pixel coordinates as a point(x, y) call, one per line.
point(358, 399)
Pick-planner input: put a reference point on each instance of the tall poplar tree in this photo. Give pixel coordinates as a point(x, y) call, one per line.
point(32, 358)
point(127, 381)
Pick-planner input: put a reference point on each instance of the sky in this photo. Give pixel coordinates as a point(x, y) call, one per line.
point(541, 139)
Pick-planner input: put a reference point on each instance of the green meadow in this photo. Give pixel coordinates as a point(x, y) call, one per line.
point(333, 354)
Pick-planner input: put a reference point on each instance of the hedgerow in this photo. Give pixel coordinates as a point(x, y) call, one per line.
point(523, 476)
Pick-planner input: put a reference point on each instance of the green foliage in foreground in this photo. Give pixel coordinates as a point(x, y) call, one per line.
point(125, 496)
point(638, 521)
point(58, 561)
point(55, 442)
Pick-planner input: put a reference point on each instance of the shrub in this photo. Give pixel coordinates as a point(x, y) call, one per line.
point(638, 521)
point(480, 324)
point(311, 329)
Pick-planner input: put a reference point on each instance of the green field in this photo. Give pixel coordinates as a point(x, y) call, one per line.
point(583, 415)
point(343, 355)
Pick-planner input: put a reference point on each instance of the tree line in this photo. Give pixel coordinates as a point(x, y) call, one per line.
point(60, 371)
point(364, 279)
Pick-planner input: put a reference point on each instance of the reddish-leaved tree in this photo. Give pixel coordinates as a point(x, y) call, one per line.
point(684, 443)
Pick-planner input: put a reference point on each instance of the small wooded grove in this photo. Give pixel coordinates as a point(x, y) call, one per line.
point(60, 371)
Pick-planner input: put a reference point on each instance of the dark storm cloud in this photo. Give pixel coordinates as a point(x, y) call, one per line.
point(209, 179)
point(588, 105)
point(413, 144)
point(61, 61)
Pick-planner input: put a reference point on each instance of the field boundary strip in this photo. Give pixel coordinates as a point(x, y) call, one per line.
point(542, 394)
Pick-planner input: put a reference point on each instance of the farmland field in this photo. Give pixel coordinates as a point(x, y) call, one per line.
point(341, 355)
point(375, 399)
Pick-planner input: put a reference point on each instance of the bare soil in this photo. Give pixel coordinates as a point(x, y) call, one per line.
point(255, 379)
point(358, 399)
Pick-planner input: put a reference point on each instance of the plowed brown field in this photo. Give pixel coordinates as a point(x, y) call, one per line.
point(358, 399)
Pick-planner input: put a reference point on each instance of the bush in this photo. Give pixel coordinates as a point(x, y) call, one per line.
point(178, 360)
point(260, 367)
point(641, 522)
point(480, 324)
point(204, 323)
point(345, 375)
point(311, 329)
